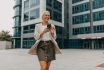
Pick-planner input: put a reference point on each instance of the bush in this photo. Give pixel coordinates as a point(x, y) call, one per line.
point(5, 36)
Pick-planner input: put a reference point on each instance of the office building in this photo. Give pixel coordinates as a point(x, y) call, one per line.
point(29, 14)
point(86, 24)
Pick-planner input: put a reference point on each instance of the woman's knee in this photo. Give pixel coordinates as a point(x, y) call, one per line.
point(44, 67)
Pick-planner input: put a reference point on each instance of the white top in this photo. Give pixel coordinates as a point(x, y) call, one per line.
point(46, 36)
point(39, 29)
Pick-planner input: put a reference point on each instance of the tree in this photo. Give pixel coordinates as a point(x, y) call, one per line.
point(5, 36)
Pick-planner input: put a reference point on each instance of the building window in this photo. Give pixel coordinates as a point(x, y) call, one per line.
point(57, 5)
point(32, 27)
point(28, 42)
point(87, 30)
point(49, 2)
point(59, 30)
point(17, 31)
point(75, 1)
point(17, 2)
point(17, 11)
point(26, 16)
point(57, 16)
point(99, 29)
point(55, 8)
point(29, 29)
point(98, 4)
point(17, 21)
point(26, 4)
point(98, 15)
point(34, 14)
point(81, 30)
point(81, 19)
point(34, 3)
point(25, 29)
point(80, 8)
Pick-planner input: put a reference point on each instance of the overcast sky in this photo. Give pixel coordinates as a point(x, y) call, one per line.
point(6, 15)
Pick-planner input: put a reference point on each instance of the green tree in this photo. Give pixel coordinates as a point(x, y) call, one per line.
point(5, 36)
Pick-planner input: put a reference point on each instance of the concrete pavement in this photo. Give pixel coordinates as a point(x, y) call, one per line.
point(70, 59)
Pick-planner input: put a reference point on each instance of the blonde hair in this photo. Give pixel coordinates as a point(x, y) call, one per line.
point(45, 12)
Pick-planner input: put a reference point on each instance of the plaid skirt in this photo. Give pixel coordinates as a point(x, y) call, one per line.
point(46, 51)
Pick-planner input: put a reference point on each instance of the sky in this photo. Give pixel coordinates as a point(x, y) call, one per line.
point(6, 15)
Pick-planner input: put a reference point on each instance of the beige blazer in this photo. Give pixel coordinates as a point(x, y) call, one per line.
point(37, 33)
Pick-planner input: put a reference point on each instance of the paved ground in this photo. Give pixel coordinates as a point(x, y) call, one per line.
point(71, 59)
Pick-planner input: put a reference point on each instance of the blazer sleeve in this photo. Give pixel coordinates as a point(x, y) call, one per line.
point(54, 31)
point(36, 32)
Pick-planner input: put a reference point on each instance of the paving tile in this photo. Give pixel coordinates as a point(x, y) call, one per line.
point(70, 59)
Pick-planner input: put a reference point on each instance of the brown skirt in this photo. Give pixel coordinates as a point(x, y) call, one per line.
point(46, 51)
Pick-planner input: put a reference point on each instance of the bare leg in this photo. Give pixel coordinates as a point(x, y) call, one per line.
point(48, 64)
point(43, 65)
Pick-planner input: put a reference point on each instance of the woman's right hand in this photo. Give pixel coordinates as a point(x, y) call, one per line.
point(44, 31)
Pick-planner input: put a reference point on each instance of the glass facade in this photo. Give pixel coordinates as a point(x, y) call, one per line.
point(75, 1)
point(17, 10)
point(17, 2)
point(17, 43)
point(29, 29)
point(85, 6)
point(55, 9)
point(99, 29)
point(28, 42)
point(80, 8)
point(86, 30)
point(98, 4)
point(30, 4)
point(17, 32)
point(26, 16)
point(49, 2)
point(17, 26)
point(81, 19)
point(59, 36)
point(75, 43)
point(17, 18)
point(17, 21)
point(57, 5)
point(81, 30)
point(97, 16)
point(58, 30)
point(26, 4)
point(57, 16)
point(34, 14)
point(34, 3)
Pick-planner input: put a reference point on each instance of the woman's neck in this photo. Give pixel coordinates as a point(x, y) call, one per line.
point(44, 23)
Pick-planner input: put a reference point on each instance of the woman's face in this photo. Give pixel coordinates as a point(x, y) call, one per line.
point(46, 17)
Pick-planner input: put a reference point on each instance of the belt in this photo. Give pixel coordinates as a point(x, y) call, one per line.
point(45, 41)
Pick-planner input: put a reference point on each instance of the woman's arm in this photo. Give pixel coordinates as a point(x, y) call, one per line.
point(36, 32)
point(53, 31)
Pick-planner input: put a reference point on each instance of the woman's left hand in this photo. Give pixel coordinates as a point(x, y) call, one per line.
point(52, 31)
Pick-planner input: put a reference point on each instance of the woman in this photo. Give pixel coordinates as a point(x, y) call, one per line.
point(45, 47)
